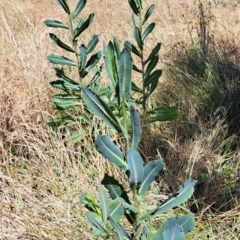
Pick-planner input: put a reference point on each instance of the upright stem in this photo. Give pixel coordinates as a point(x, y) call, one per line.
point(74, 44)
point(125, 122)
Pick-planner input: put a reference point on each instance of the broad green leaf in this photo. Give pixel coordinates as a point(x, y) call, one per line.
point(138, 38)
point(56, 59)
point(90, 202)
point(182, 195)
point(135, 165)
point(116, 209)
point(125, 75)
point(173, 233)
point(154, 52)
point(96, 221)
point(114, 187)
point(110, 151)
point(151, 65)
point(185, 223)
point(147, 31)
point(55, 24)
point(148, 13)
point(80, 5)
point(84, 26)
point(163, 114)
point(134, 7)
point(66, 101)
point(91, 63)
point(76, 136)
point(104, 204)
point(136, 127)
point(60, 43)
point(110, 63)
point(121, 233)
point(92, 43)
point(154, 76)
point(83, 57)
point(132, 48)
point(150, 172)
point(95, 104)
point(64, 6)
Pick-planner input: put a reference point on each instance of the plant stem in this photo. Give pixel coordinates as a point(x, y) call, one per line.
point(74, 44)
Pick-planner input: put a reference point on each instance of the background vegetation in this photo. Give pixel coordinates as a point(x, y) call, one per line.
point(42, 176)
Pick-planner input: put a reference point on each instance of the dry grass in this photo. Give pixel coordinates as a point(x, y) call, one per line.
point(41, 178)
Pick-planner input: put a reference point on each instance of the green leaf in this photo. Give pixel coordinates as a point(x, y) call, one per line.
point(64, 6)
point(151, 65)
point(98, 107)
point(136, 127)
point(89, 201)
point(132, 48)
point(174, 233)
point(148, 13)
point(138, 38)
point(150, 172)
point(152, 87)
point(116, 47)
point(138, 3)
point(121, 233)
point(135, 165)
point(153, 53)
point(163, 114)
point(64, 83)
point(104, 204)
point(66, 101)
point(147, 31)
point(153, 77)
point(55, 24)
point(133, 20)
point(80, 5)
point(135, 88)
point(134, 7)
point(114, 187)
point(91, 63)
point(84, 26)
point(182, 195)
point(76, 136)
point(117, 209)
point(135, 68)
point(95, 82)
point(110, 151)
point(110, 59)
point(60, 43)
point(125, 75)
point(83, 57)
point(56, 59)
point(97, 222)
point(78, 24)
point(92, 43)
point(185, 223)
